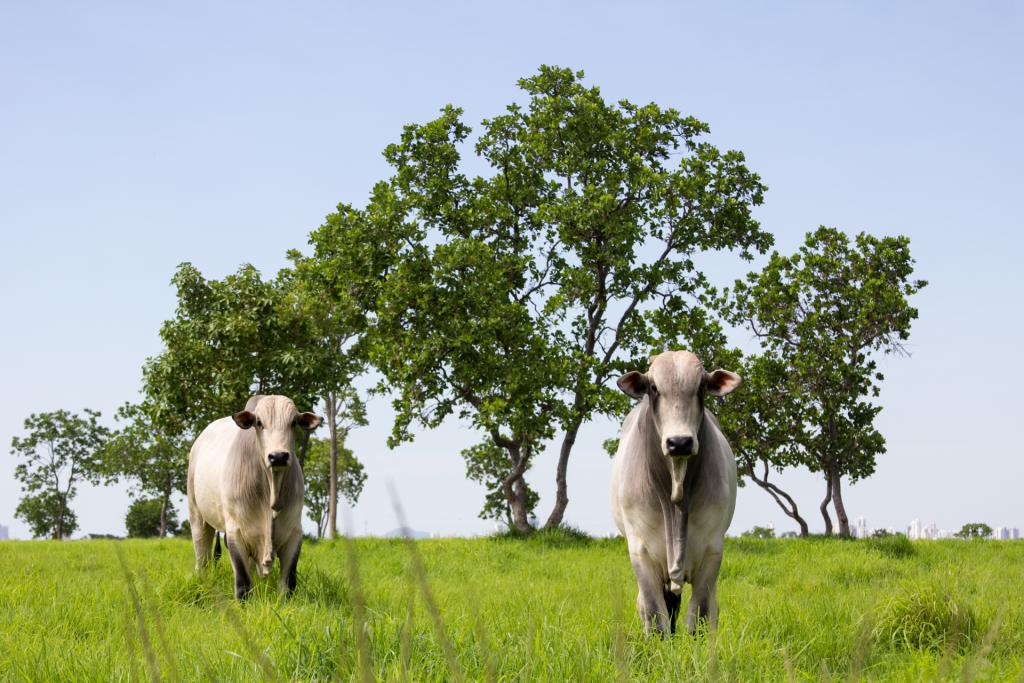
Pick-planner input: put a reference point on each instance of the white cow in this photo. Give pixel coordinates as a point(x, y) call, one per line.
point(245, 480)
point(674, 487)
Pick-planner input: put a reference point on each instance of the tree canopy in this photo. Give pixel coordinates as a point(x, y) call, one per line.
point(974, 530)
point(156, 463)
point(229, 339)
point(317, 471)
point(511, 298)
point(61, 449)
point(150, 518)
point(822, 317)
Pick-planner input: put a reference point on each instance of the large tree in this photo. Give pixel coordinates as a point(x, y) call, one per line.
point(61, 449)
point(154, 461)
point(511, 298)
point(823, 316)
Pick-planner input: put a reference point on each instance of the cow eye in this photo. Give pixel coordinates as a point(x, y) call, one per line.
point(653, 389)
point(259, 423)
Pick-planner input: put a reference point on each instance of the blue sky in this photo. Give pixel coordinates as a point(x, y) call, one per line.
point(135, 136)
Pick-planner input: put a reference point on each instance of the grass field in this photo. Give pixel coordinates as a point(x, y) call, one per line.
point(552, 608)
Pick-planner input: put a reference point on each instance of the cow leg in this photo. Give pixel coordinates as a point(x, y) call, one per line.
point(672, 602)
point(240, 563)
point(650, 601)
point(703, 598)
point(202, 538)
point(288, 554)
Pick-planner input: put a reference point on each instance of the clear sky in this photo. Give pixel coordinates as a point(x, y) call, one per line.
point(135, 136)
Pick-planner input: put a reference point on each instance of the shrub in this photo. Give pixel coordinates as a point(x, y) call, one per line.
point(558, 537)
point(925, 618)
point(893, 545)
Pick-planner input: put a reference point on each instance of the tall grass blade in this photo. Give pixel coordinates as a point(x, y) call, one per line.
point(161, 632)
point(258, 656)
point(364, 665)
point(428, 598)
point(140, 619)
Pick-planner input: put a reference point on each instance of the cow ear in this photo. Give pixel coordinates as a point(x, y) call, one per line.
point(308, 421)
point(244, 419)
point(721, 382)
point(634, 384)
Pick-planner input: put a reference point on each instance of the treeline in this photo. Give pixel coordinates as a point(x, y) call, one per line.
point(513, 299)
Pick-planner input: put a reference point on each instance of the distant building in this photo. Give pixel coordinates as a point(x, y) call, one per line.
point(930, 532)
point(860, 529)
point(4, 533)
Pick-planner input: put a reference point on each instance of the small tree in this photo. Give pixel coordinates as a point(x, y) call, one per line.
point(335, 289)
point(60, 451)
point(824, 315)
point(974, 530)
point(317, 472)
point(155, 462)
point(47, 514)
point(150, 518)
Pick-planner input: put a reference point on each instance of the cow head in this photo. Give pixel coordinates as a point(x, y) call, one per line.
point(675, 386)
point(277, 423)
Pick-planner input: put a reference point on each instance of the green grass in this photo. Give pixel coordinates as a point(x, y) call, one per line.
point(554, 608)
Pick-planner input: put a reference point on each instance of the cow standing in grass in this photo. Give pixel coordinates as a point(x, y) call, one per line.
point(674, 487)
point(245, 480)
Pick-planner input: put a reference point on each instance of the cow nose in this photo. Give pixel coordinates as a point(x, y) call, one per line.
point(679, 445)
point(279, 459)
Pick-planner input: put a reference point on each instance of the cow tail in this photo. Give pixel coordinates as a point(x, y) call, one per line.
point(216, 546)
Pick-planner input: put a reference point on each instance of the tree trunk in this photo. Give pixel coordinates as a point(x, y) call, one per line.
point(561, 487)
point(332, 484)
point(515, 495)
point(783, 499)
point(824, 506)
point(520, 515)
point(58, 532)
point(163, 516)
point(837, 503)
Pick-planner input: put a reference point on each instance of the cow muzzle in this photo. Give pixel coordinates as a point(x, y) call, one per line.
point(279, 459)
point(680, 446)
